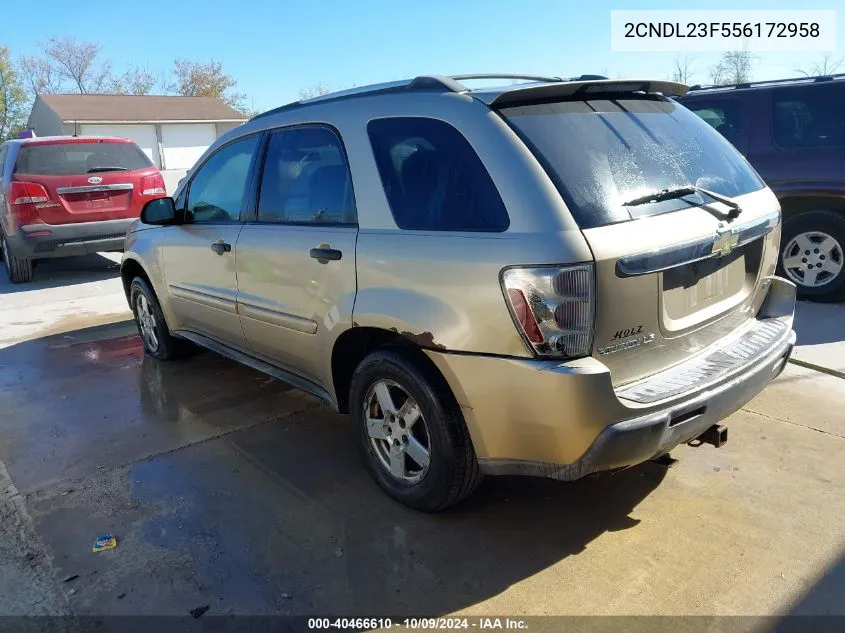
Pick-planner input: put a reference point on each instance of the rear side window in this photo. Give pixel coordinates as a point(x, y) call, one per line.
point(603, 153)
point(433, 178)
point(64, 159)
point(809, 116)
point(722, 115)
point(306, 179)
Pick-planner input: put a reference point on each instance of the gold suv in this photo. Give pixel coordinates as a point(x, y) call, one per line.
point(554, 277)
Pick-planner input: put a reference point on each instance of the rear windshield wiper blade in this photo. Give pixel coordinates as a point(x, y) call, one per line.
point(94, 170)
point(681, 192)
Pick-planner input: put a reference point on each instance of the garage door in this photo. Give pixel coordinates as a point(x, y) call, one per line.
point(143, 135)
point(184, 143)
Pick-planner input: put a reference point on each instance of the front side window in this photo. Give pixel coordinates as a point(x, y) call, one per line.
point(809, 116)
point(604, 153)
point(305, 179)
point(722, 115)
point(218, 190)
point(433, 178)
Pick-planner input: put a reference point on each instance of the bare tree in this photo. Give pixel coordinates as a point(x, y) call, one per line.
point(206, 79)
point(135, 81)
point(734, 67)
point(12, 97)
point(682, 69)
point(78, 63)
point(316, 90)
point(827, 65)
point(39, 76)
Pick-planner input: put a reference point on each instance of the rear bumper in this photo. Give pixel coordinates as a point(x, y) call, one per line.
point(39, 241)
point(566, 421)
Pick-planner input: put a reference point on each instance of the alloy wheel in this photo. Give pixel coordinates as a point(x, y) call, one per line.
point(147, 322)
point(813, 259)
point(398, 431)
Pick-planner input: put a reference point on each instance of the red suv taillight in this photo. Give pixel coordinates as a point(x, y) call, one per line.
point(23, 197)
point(153, 185)
point(553, 307)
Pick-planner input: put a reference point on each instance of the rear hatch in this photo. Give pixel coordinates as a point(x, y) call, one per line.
point(674, 272)
point(87, 180)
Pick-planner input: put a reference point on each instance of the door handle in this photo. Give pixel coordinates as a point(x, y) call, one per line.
point(326, 254)
point(221, 247)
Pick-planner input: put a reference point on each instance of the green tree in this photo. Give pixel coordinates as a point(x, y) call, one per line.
point(13, 100)
point(206, 79)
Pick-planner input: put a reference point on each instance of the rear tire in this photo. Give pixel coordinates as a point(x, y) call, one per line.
point(819, 238)
point(18, 269)
point(158, 342)
point(451, 471)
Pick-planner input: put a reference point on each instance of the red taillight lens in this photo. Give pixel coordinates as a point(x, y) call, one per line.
point(153, 185)
point(23, 197)
point(524, 315)
point(27, 193)
point(553, 306)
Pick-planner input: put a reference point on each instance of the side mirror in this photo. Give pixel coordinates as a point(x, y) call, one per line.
point(160, 211)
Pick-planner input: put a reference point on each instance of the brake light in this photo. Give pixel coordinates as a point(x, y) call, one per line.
point(24, 196)
point(553, 307)
point(27, 193)
point(153, 185)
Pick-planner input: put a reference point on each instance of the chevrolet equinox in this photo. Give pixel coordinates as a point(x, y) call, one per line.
point(554, 277)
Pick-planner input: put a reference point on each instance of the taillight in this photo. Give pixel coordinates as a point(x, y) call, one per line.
point(24, 196)
point(153, 185)
point(553, 307)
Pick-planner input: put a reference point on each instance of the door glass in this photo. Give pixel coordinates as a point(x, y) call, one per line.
point(306, 179)
point(723, 116)
point(217, 192)
point(809, 116)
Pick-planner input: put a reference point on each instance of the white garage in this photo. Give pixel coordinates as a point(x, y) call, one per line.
point(173, 131)
point(184, 143)
point(143, 135)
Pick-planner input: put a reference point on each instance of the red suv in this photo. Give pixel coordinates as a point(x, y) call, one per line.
point(64, 196)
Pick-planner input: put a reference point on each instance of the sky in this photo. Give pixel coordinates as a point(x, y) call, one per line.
point(274, 49)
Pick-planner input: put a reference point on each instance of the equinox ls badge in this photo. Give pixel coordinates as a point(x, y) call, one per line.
point(645, 339)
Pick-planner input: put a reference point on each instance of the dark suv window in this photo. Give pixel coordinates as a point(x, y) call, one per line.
point(809, 116)
point(603, 153)
point(80, 157)
point(722, 115)
point(433, 178)
point(306, 179)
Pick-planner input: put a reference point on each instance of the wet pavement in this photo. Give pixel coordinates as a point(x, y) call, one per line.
point(228, 489)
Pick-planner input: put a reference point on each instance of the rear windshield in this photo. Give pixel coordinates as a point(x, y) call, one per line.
point(603, 153)
point(62, 159)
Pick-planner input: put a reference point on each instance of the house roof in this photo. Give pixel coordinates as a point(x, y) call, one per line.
point(141, 108)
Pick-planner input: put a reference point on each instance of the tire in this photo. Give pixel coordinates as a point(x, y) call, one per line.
point(163, 346)
point(808, 232)
point(18, 269)
point(452, 472)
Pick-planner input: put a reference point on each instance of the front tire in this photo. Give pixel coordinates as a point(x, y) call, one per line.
point(152, 327)
point(411, 432)
point(813, 255)
point(18, 269)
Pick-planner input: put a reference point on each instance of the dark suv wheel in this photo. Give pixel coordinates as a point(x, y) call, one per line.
point(412, 433)
point(813, 254)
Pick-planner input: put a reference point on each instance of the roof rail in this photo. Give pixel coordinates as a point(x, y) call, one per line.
point(505, 76)
point(770, 82)
point(422, 83)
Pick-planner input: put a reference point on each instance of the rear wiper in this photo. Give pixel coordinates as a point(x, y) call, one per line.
point(681, 192)
point(94, 170)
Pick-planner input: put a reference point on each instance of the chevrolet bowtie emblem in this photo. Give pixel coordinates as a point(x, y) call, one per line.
point(724, 244)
